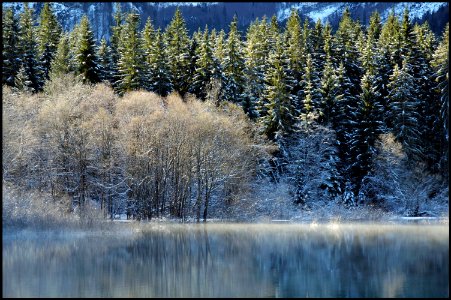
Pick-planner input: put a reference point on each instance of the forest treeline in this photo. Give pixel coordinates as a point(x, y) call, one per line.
point(358, 81)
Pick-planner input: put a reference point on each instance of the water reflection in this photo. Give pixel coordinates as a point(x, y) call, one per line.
point(232, 261)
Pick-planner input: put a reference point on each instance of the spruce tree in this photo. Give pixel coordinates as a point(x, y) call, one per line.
point(49, 33)
point(160, 81)
point(328, 90)
point(343, 120)
point(280, 118)
point(255, 64)
point(29, 51)
point(317, 42)
point(105, 62)
point(346, 50)
point(131, 75)
point(10, 50)
point(115, 41)
point(328, 43)
point(389, 39)
point(178, 46)
point(404, 110)
point(85, 54)
point(296, 56)
point(367, 127)
point(311, 96)
point(204, 67)
point(147, 43)
point(61, 63)
point(441, 65)
point(233, 66)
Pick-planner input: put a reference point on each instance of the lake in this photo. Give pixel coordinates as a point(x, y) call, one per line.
point(229, 260)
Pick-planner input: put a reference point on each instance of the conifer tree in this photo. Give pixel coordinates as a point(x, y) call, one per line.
point(311, 96)
point(22, 81)
point(115, 41)
point(404, 110)
point(61, 63)
point(441, 65)
point(273, 32)
point(85, 54)
point(105, 62)
point(29, 51)
point(147, 43)
point(375, 27)
point(389, 39)
point(178, 46)
point(328, 90)
point(328, 43)
point(280, 116)
point(296, 56)
point(219, 49)
point(193, 56)
point(343, 120)
point(317, 41)
point(49, 33)
point(366, 129)
point(346, 49)
point(233, 66)
point(10, 50)
point(255, 62)
point(160, 81)
point(204, 67)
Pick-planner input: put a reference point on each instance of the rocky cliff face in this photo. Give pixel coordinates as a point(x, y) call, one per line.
point(219, 14)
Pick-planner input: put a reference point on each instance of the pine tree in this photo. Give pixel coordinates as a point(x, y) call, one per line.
point(404, 112)
point(73, 41)
point(85, 54)
point(10, 51)
point(255, 62)
point(49, 33)
point(375, 27)
point(131, 72)
point(273, 33)
point(346, 50)
point(280, 116)
point(296, 56)
point(367, 127)
point(311, 96)
point(441, 65)
point(389, 39)
point(233, 66)
point(61, 63)
point(317, 42)
point(22, 81)
point(105, 62)
point(343, 120)
point(178, 44)
point(147, 43)
point(160, 81)
point(328, 43)
point(219, 50)
point(328, 90)
point(29, 51)
point(115, 41)
point(204, 67)
point(193, 56)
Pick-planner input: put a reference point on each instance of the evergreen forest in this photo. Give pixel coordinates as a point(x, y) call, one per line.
point(156, 122)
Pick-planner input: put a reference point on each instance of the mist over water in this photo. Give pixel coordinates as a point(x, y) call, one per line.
point(230, 260)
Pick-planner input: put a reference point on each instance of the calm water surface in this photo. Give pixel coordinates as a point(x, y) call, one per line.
point(220, 260)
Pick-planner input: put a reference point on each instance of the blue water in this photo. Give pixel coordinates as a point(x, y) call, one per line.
point(229, 260)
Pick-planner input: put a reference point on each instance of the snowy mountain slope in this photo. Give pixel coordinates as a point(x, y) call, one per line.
point(219, 14)
point(323, 10)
